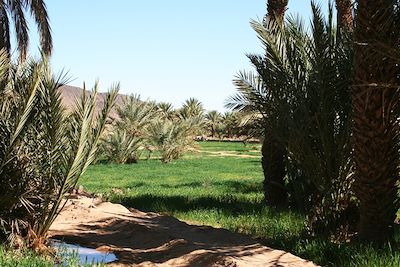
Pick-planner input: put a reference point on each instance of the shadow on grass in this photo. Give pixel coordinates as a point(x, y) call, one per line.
point(244, 187)
point(227, 204)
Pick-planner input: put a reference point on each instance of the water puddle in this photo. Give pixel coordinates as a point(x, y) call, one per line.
point(83, 254)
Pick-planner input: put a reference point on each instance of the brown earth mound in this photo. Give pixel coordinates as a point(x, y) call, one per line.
point(150, 239)
point(69, 94)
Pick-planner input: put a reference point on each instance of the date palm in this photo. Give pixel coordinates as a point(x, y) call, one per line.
point(302, 90)
point(345, 14)
point(170, 138)
point(273, 151)
point(16, 10)
point(375, 97)
point(213, 119)
point(230, 121)
point(191, 108)
point(43, 151)
point(135, 115)
point(166, 110)
point(192, 112)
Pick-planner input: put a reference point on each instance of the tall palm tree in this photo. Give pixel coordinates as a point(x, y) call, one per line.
point(345, 14)
point(273, 152)
point(16, 10)
point(375, 97)
point(302, 90)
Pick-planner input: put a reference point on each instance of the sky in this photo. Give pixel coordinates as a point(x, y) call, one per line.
point(163, 50)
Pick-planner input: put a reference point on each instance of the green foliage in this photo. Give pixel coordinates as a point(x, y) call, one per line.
point(43, 151)
point(191, 108)
point(123, 143)
point(120, 147)
point(146, 125)
point(17, 10)
point(302, 90)
point(214, 119)
point(171, 139)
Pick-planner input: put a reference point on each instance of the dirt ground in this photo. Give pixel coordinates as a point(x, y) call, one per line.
point(151, 239)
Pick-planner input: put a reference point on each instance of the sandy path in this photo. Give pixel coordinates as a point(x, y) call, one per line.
point(150, 239)
point(226, 154)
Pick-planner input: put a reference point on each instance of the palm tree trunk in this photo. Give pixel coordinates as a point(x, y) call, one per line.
point(345, 14)
point(273, 152)
point(375, 128)
point(273, 163)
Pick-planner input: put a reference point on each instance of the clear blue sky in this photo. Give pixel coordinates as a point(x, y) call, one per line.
point(162, 50)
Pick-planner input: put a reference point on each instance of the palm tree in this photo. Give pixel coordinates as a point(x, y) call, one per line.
point(123, 144)
point(375, 97)
point(231, 123)
point(135, 115)
point(166, 110)
point(170, 138)
point(277, 9)
point(274, 152)
point(345, 14)
point(191, 108)
point(17, 9)
point(43, 150)
point(302, 92)
point(120, 147)
point(213, 118)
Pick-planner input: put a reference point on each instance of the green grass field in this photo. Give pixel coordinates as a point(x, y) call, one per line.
point(225, 192)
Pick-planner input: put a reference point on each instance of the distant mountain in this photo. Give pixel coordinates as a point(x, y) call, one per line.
point(70, 93)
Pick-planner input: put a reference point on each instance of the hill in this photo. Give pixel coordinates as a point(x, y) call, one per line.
point(70, 93)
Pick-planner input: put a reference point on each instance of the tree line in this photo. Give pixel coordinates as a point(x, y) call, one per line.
point(142, 127)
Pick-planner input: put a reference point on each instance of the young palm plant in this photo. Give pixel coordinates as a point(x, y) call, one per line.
point(192, 113)
point(121, 148)
point(122, 145)
point(43, 151)
point(213, 119)
point(170, 138)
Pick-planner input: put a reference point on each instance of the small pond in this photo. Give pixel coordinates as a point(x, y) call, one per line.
point(84, 254)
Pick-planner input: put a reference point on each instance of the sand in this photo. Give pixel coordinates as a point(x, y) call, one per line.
point(151, 239)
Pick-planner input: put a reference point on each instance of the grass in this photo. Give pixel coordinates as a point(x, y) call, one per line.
point(23, 259)
point(28, 258)
point(224, 192)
